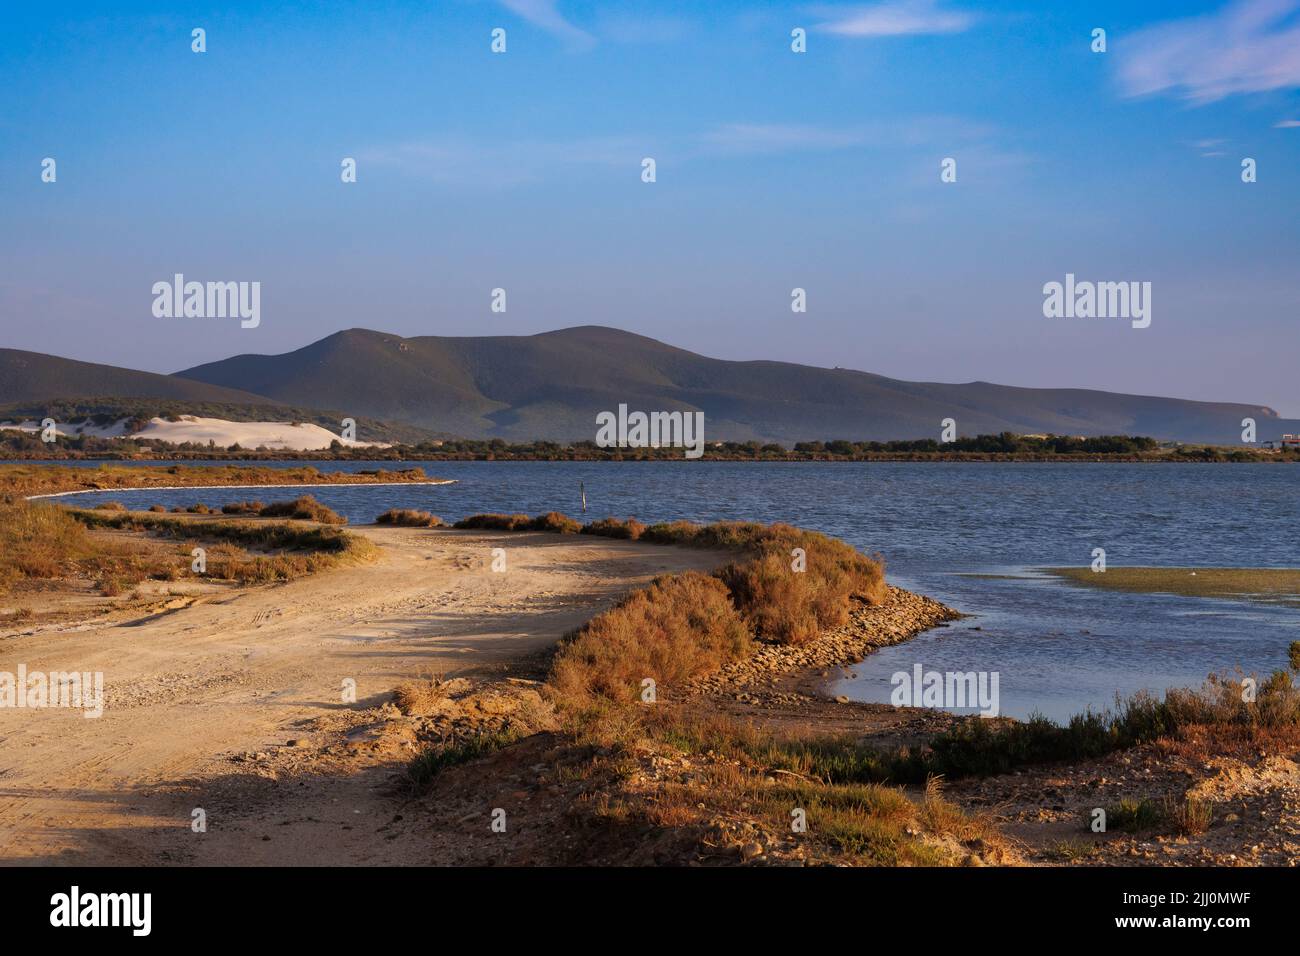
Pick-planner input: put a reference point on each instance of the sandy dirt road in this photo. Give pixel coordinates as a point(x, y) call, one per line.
point(249, 670)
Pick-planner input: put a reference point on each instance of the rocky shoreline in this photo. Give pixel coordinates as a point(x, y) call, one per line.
point(901, 617)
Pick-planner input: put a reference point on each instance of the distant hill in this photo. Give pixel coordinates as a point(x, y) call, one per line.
point(33, 386)
point(33, 377)
point(552, 385)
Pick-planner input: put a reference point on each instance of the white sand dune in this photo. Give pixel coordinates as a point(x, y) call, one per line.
point(66, 430)
point(276, 436)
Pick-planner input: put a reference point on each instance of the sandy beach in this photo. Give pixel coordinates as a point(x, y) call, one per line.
point(188, 692)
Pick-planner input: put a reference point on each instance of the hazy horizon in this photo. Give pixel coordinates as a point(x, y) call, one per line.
point(775, 170)
point(741, 358)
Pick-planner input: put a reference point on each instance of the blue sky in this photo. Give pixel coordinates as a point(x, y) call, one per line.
point(774, 170)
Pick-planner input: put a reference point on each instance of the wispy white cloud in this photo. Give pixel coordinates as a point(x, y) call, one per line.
point(640, 28)
point(1287, 124)
point(545, 15)
point(1248, 46)
point(918, 143)
point(493, 163)
point(920, 131)
point(477, 162)
point(892, 19)
point(751, 138)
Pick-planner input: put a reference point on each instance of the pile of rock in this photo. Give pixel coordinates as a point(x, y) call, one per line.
point(901, 617)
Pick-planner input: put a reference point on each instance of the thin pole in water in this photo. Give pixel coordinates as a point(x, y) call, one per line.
point(582, 490)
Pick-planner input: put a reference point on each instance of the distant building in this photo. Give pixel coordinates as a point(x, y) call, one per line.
point(1285, 442)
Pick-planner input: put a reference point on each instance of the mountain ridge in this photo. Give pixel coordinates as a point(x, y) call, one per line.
point(551, 385)
point(36, 376)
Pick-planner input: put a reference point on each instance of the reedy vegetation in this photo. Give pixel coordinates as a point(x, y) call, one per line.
point(685, 626)
point(409, 518)
point(40, 541)
point(21, 480)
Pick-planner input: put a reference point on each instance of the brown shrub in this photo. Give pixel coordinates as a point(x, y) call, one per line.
point(296, 549)
point(672, 532)
point(420, 698)
point(495, 522)
point(304, 508)
point(681, 627)
point(551, 521)
point(110, 585)
point(791, 606)
point(409, 518)
point(628, 529)
point(39, 541)
point(1190, 816)
point(780, 602)
point(110, 506)
point(789, 585)
point(554, 521)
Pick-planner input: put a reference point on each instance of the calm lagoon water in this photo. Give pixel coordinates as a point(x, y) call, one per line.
point(941, 528)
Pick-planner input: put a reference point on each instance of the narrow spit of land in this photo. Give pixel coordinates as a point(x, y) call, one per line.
point(39, 481)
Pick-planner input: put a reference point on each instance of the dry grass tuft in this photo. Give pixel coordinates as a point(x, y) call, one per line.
point(409, 518)
point(1190, 816)
point(680, 627)
point(495, 522)
point(628, 529)
point(288, 551)
point(420, 698)
point(304, 508)
point(551, 521)
point(42, 541)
